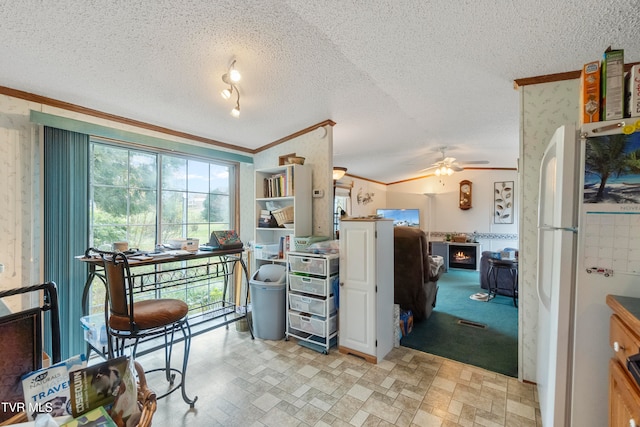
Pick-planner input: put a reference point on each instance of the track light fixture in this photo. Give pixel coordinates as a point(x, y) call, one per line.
point(231, 77)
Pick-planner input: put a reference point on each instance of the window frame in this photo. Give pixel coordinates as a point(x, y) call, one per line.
point(233, 184)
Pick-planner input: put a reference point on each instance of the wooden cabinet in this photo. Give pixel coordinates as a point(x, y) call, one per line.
point(366, 288)
point(282, 187)
point(311, 302)
point(624, 397)
point(624, 337)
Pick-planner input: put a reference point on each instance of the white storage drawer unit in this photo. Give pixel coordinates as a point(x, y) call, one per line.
point(312, 295)
point(311, 305)
point(313, 325)
point(313, 265)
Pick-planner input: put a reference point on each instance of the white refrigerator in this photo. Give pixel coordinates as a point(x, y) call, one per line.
point(589, 246)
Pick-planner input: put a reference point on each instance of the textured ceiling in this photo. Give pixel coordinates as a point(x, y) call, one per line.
point(399, 78)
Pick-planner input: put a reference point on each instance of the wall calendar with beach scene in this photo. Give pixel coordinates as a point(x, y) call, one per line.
point(611, 204)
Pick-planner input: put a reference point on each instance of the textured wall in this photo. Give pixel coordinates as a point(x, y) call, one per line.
point(544, 108)
point(19, 216)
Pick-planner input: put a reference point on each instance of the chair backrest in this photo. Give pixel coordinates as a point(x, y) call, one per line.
point(116, 272)
point(412, 243)
point(119, 286)
point(22, 340)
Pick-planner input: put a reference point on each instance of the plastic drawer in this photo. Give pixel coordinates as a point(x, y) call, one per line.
point(311, 305)
point(312, 325)
point(267, 251)
point(309, 285)
point(311, 265)
point(95, 331)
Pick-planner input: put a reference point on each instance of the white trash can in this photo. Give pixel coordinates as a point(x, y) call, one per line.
point(268, 302)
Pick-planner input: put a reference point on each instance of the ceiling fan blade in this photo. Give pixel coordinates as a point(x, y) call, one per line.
point(432, 167)
point(456, 167)
point(477, 162)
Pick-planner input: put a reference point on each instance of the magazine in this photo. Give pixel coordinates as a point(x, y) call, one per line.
point(96, 385)
point(125, 410)
point(47, 390)
point(97, 417)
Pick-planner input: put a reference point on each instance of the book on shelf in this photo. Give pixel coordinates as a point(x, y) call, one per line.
point(612, 81)
point(284, 246)
point(279, 185)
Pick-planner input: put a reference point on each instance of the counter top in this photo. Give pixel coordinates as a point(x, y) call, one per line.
point(170, 256)
point(628, 308)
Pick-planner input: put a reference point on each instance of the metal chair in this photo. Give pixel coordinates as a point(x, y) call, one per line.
point(142, 320)
point(22, 335)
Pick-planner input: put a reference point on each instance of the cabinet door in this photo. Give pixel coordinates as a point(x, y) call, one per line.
point(624, 397)
point(357, 292)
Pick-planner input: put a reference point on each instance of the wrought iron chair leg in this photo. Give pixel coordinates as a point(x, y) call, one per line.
point(186, 331)
point(168, 350)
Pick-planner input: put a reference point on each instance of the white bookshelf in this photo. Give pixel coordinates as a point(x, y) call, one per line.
point(295, 190)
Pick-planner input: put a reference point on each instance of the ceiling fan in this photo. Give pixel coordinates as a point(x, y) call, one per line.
point(449, 165)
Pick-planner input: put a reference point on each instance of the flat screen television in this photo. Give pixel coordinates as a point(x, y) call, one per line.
point(405, 217)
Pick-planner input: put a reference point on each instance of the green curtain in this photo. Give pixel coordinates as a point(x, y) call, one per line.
point(66, 227)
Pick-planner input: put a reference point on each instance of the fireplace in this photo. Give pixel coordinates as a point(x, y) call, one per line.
point(463, 256)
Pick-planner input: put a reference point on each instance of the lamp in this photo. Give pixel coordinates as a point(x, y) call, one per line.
point(338, 173)
point(231, 77)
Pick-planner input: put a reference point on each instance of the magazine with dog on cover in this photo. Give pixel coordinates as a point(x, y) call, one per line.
point(96, 385)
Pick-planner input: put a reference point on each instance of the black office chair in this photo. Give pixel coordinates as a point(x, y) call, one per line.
point(146, 319)
point(22, 335)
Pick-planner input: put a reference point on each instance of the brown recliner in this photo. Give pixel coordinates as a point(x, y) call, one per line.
point(415, 275)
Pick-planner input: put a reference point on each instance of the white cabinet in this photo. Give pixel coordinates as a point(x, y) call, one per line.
point(366, 288)
point(311, 300)
point(282, 187)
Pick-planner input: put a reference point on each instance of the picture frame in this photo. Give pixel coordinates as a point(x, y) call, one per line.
point(503, 202)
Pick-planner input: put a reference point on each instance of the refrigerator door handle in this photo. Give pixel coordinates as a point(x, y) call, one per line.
point(544, 299)
point(548, 227)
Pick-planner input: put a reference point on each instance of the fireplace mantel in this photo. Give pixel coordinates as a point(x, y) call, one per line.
point(447, 249)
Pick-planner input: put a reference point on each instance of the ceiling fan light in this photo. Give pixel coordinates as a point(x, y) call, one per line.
point(437, 172)
point(338, 173)
point(226, 93)
point(449, 171)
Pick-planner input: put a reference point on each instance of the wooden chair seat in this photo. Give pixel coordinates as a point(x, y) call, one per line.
point(151, 314)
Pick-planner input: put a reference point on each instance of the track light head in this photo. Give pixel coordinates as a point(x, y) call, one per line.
point(236, 110)
point(226, 93)
point(234, 75)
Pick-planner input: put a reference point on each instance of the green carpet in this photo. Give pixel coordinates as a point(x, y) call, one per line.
point(494, 347)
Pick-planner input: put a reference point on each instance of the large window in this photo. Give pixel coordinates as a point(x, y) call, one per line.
point(147, 198)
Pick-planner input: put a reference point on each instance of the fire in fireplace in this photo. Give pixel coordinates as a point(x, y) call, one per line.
point(462, 256)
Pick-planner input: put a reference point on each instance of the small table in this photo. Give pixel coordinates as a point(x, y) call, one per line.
point(495, 265)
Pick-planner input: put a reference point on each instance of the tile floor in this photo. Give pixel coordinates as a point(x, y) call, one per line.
point(244, 382)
